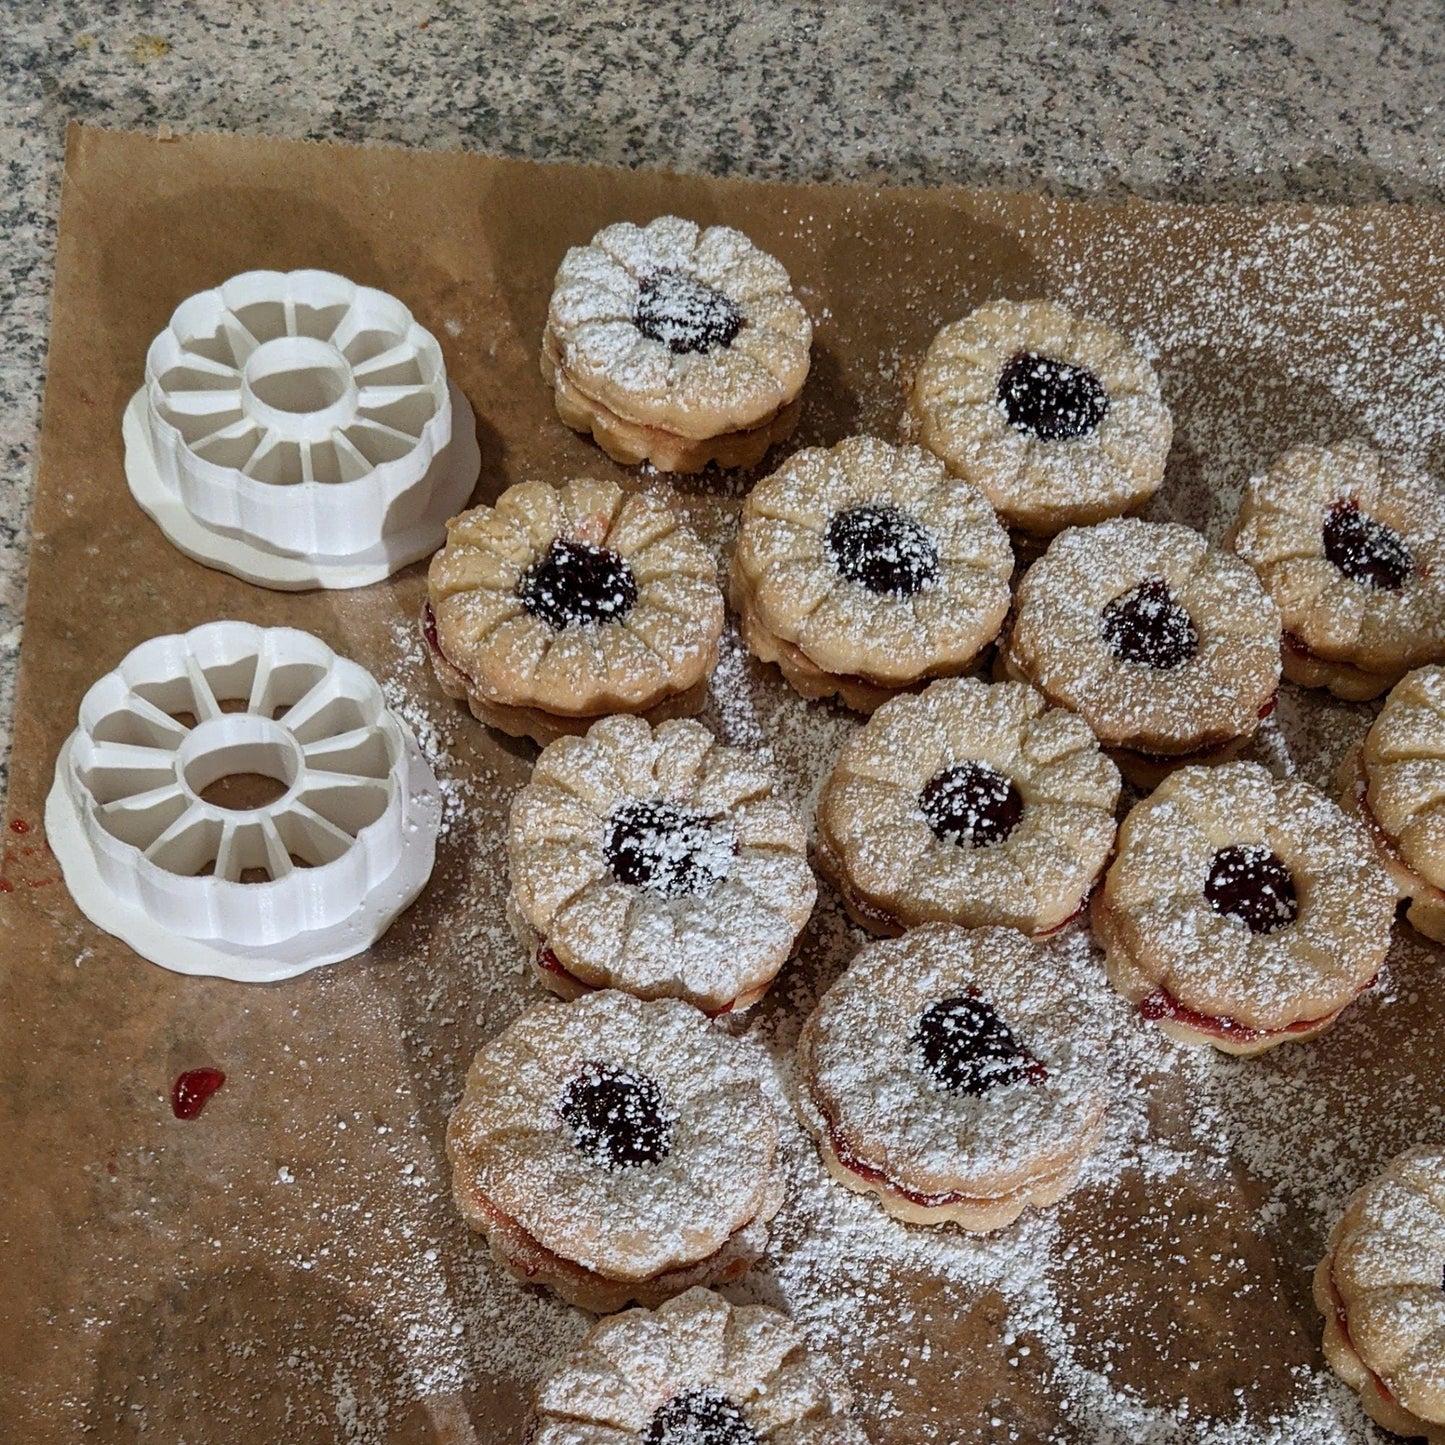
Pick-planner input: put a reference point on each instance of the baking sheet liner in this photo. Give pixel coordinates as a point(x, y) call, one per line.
point(290, 1265)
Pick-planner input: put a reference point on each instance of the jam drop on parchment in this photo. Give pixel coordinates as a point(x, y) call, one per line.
point(192, 1089)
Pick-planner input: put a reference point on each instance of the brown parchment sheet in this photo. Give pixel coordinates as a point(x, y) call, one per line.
point(289, 1266)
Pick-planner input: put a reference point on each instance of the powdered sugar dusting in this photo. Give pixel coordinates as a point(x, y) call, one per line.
point(1166, 1301)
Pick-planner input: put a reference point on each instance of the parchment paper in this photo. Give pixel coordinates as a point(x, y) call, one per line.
point(290, 1265)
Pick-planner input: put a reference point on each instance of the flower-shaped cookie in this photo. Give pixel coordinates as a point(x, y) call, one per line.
point(563, 604)
point(695, 1371)
point(1394, 782)
point(617, 1150)
point(1349, 544)
point(1053, 416)
point(864, 568)
point(956, 1073)
point(658, 861)
point(1242, 910)
point(676, 345)
point(1381, 1289)
point(1166, 646)
point(970, 802)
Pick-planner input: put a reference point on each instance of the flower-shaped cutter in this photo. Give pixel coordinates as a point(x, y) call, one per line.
point(299, 431)
point(200, 882)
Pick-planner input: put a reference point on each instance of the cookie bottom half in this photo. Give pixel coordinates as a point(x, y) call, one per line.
point(632, 443)
point(1427, 902)
point(557, 978)
point(1339, 1349)
point(887, 924)
point(537, 723)
point(979, 1214)
point(530, 1262)
point(1181, 1023)
point(1353, 684)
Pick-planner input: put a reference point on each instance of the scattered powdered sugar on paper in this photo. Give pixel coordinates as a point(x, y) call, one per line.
point(1176, 1277)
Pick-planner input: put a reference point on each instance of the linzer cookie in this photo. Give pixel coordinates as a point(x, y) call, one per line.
point(616, 1150)
point(1394, 781)
point(1166, 646)
point(658, 861)
point(563, 604)
point(1348, 543)
point(695, 1371)
point(864, 568)
point(1381, 1289)
point(1053, 416)
point(957, 1074)
point(970, 802)
point(1242, 910)
point(676, 345)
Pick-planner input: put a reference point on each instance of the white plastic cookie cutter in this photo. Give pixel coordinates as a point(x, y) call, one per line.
point(299, 431)
point(154, 850)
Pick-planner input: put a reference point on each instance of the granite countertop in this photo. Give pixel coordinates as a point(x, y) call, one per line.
point(1328, 102)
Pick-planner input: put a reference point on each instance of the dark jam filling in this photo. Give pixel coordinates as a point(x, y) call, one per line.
point(699, 1417)
point(971, 804)
point(968, 1048)
point(1364, 550)
point(1148, 627)
point(685, 315)
point(616, 1116)
point(577, 585)
point(883, 549)
point(1050, 399)
point(665, 849)
point(1250, 883)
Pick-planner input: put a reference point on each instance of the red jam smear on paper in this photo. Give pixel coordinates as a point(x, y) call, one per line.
point(192, 1089)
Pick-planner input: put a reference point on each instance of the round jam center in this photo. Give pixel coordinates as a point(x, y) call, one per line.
point(616, 1116)
point(967, 1047)
point(699, 1417)
point(971, 804)
point(685, 315)
point(1366, 551)
point(1250, 883)
point(666, 849)
point(1050, 399)
point(578, 585)
point(882, 548)
point(1147, 626)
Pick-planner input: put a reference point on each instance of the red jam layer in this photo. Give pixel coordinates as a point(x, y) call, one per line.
point(854, 1165)
point(429, 631)
point(1163, 1005)
point(1344, 1327)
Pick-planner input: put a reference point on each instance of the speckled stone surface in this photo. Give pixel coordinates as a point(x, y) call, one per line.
point(1326, 102)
